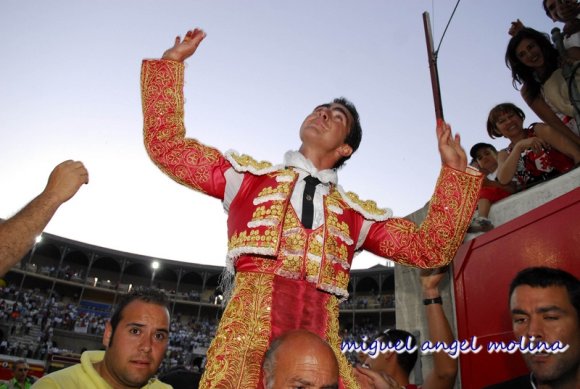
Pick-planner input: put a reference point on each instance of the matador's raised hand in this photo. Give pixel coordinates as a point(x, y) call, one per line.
point(452, 154)
point(183, 49)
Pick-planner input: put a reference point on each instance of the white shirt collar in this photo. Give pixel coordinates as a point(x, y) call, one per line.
point(300, 162)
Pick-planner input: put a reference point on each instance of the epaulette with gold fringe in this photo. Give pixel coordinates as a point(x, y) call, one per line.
point(367, 208)
point(244, 163)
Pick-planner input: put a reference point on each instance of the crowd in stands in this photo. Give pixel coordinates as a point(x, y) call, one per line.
point(77, 275)
point(369, 302)
point(31, 318)
point(188, 339)
point(21, 311)
point(26, 310)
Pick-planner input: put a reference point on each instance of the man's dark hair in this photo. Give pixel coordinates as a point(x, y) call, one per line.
point(147, 295)
point(546, 9)
point(354, 135)
point(543, 277)
point(478, 146)
point(496, 112)
point(405, 359)
point(18, 362)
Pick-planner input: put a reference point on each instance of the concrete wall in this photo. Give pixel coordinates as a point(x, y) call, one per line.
point(76, 342)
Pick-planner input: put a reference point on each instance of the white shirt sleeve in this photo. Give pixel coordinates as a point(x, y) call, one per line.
point(233, 183)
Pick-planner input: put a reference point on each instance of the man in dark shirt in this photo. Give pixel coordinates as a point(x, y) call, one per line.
point(545, 305)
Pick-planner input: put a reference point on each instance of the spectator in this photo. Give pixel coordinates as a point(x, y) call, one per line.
point(395, 368)
point(567, 13)
point(17, 234)
point(300, 358)
point(535, 154)
point(533, 61)
point(545, 304)
point(559, 11)
point(20, 379)
point(492, 191)
point(3, 346)
point(135, 338)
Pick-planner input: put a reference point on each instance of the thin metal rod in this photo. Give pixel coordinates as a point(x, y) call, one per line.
point(446, 27)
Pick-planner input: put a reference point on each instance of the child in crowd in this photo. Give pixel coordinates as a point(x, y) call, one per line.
point(485, 155)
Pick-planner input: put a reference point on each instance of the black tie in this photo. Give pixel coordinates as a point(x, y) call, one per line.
point(307, 201)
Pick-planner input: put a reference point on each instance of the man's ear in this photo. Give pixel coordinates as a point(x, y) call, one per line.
point(108, 334)
point(389, 355)
point(344, 150)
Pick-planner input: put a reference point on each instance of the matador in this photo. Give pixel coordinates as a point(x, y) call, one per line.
point(292, 230)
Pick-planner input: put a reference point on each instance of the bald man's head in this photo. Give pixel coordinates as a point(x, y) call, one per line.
point(300, 358)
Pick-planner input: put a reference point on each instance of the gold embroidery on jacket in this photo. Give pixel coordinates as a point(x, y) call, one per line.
point(184, 159)
point(243, 334)
point(312, 270)
point(278, 193)
point(436, 241)
point(314, 255)
point(267, 215)
point(292, 246)
point(263, 233)
point(369, 205)
point(342, 278)
point(338, 228)
point(333, 278)
point(253, 241)
point(246, 160)
point(334, 340)
point(264, 265)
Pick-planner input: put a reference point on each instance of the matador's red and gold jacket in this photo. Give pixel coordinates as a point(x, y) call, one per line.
point(260, 222)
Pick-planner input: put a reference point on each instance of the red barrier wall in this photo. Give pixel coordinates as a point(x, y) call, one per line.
point(484, 267)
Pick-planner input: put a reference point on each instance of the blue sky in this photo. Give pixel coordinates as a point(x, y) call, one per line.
point(69, 89)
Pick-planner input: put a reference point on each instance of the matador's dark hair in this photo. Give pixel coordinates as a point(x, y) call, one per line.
point(354, 136)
